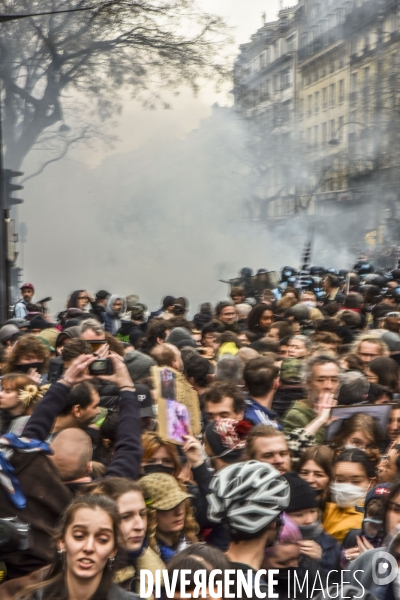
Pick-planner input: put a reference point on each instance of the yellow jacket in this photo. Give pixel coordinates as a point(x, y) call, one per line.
point(337, 521)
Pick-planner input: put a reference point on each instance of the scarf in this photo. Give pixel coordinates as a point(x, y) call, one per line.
point(8, 478)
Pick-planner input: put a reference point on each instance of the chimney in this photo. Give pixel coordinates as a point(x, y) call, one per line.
point(263, 18)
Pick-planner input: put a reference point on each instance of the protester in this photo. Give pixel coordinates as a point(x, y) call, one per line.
point(315, 467)
point(353, 476)
point(18, 397)
point(20, 310)
point(261, 473)
point(86, 547)
point(172, 525)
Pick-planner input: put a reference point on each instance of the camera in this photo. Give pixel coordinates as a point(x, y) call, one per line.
point(14, 535)
point(101, 366)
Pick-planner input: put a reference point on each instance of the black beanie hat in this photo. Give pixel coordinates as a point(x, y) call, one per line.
point(302, 495)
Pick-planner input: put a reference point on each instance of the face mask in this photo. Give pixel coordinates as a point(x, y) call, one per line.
point(149, 469)
point(310, 304)
point(347, 495)
point(33, 365)
point(311, 532)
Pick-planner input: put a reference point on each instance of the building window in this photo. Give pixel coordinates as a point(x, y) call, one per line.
point(316, 135)
point(301, 109)
point(341, 128)
point(332, 93)
point(333, 130)
point(341, 91)
point(354, 82)
point(325, 98)
point(287, 78)
point(324, 133)
point(309, 110)
point(316, 103)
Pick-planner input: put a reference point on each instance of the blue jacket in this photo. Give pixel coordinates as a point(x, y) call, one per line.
point(256, 413)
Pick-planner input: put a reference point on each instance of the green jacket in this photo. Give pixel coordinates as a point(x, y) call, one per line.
point(298, 417)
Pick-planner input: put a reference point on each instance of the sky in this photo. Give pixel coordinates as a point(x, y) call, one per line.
point(129, 216)
point(137, 126)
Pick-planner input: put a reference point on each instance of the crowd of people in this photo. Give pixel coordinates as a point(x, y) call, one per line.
point(91, 493)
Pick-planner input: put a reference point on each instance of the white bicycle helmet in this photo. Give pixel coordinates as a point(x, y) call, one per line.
point(248, 495)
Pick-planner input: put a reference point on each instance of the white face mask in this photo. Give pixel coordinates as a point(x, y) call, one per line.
point(347, 495)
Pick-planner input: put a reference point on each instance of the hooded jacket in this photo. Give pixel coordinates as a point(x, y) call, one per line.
point(112, 320)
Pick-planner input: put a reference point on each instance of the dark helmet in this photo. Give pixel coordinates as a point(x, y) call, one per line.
point(363, 267)
point(342, 274)
point(331, 270)
point(378, 280)
point(246, 272)
point(396, 274)
point(288, 272)
point(262, 272)
point(317, 271)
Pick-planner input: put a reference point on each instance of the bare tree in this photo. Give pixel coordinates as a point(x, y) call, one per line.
point(142, 46)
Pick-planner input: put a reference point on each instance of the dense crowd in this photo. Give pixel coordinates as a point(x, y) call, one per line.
point(280, 478)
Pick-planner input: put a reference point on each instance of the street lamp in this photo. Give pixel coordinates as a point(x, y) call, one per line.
point(336, 141)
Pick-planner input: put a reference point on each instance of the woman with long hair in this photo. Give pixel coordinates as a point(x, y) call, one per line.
point(159, 455)
point(315, 467)
point(135, 553)
point(260, 319)
point(18, 397)
point(359, 431)
point(87, 543)
point(171, 522)
point(384, 371)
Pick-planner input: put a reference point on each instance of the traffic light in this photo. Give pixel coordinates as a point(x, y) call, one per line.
point(10, 188)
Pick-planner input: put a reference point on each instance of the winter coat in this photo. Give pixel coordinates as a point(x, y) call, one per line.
point(112, 320)
point(128, 576)
point(338, 521)
point(299, 416)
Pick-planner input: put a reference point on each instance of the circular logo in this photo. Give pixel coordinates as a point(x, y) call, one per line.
point(384, 568)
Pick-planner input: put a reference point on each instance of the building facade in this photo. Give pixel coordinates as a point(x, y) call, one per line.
point(331, 70)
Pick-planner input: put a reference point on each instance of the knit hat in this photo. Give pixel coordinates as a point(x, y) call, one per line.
point(39, 322)
point(138, 364)
point(20, 323)
point(168, 301)
point(102, 295)
point(291, 371)
point(299, 311)
point(162, 491)
point(302, 495)
point(227, 438)
point(392, 341)
point(178, 335)
point(7, 332)
point(50, 335)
